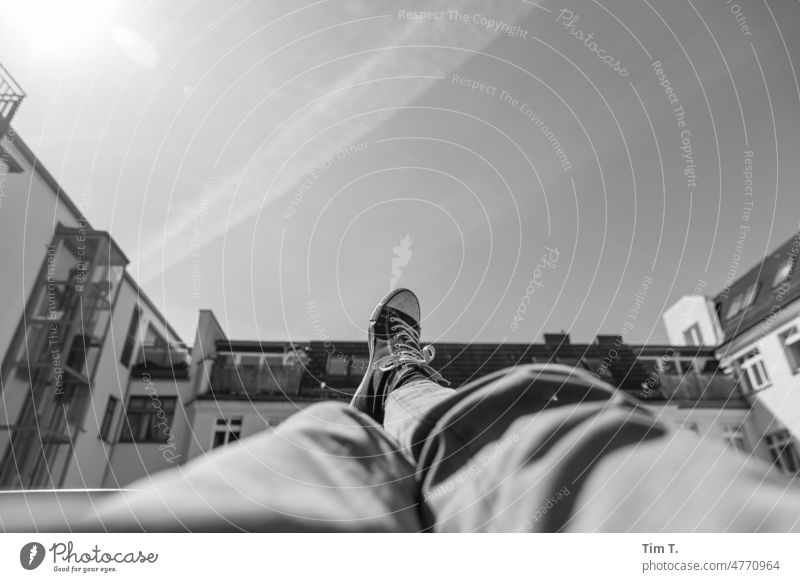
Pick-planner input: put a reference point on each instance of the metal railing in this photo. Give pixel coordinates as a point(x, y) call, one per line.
point(276, 381)
point(11, 95)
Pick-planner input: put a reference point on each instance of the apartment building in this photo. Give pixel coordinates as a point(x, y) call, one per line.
point(251, 386)
point(753, 325)
point(76, 339)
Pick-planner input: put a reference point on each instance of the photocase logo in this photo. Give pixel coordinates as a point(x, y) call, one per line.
point(402, 256)
point(31, 555)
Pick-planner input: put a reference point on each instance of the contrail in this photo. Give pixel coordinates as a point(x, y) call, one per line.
point(249, 184)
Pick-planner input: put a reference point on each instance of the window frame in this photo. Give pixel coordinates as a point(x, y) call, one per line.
point(11, 164)
point(779, 443)
point(108, 418)
point(159, 342)
point(352, 369)
point(742, 300)
point(736, 302)
point(129, 347)
point(754, 362)
point(690, 333)
point(735, 438)
point(335, 358)
point(790, 343)
point(126, 433)
point(226, 429)
point(788, 265)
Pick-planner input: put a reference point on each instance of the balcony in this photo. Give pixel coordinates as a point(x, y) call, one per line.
point(11, 96)
point(701, 390)
point(161, 361)
point(256, 382)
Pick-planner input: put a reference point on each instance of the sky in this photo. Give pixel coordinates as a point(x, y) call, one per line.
point(524, 167)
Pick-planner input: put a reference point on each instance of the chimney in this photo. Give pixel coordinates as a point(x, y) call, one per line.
point(556, 339)
point(603, 340)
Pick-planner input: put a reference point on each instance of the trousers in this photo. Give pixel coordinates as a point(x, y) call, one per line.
point(534, 448)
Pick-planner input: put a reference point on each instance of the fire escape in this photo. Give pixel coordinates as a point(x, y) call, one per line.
point(49, 369)
point(11, 96)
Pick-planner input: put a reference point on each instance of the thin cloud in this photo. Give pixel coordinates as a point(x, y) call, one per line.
point(272, 168)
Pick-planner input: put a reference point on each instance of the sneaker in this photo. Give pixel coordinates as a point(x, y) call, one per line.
point(394, 352)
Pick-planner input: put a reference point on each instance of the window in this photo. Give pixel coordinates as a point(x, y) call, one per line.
point(336, 366)
point(13, 165)
point(143, 424)
point(756, 371)
point(130, 338)
point(154, 350)
point(734, 307)
point(734, 436)
point(153, 339)
point(359, 365)
point(692, 336)
point(108, 418)
point(750, 296)
point(83, 354)
point(790, 340)
point(742, 301)
point(349, 366)
point(226, 430)
point(784, 272)
point(784, 451)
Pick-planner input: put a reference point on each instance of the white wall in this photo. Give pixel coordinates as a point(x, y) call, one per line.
point(688, 310)
point(29, 212)
point(92, 455)
point(30, 209)
point(130, 461)
point(257, 417)
point(782, 398)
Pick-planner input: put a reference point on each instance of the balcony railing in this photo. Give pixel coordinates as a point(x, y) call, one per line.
point(699, 389)
point(256, 381)
point(162, 361)
point(11, 95)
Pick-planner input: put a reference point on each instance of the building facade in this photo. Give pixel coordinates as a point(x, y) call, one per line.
point(76, 337)
point(754, 327)
point(254, 386)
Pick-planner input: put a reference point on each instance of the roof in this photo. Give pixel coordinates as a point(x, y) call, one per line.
point(618, 363)
point(768, 299)
point(625, 367)
point(255, 346)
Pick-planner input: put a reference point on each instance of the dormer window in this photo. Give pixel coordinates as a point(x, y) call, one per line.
point(742, 301)
point(784, 273)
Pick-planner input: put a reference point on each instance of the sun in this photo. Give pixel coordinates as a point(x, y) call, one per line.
point(60, 27)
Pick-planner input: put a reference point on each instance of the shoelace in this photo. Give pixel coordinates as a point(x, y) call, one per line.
point(407, 350)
